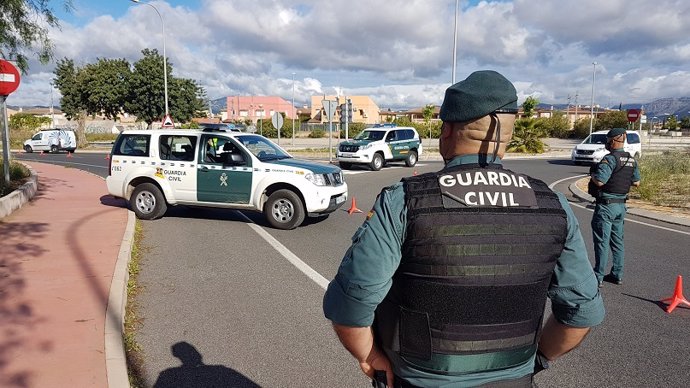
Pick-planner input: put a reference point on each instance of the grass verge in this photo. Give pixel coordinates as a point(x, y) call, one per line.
point(133, 350)
point(665, 179)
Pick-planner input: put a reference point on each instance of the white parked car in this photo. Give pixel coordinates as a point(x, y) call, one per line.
point(52, 140)
point(593, 148)
point(236, 170)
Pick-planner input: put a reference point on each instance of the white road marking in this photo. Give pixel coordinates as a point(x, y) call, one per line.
point(551, 186)
point(286, 253)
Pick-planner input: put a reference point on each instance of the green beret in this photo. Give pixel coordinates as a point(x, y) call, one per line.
point(615, 132)
point(482, 93)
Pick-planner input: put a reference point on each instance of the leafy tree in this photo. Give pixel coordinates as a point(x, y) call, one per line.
point(671, 123)
point(611, 119)
point(526, 137)
point(353, 130)
point(147, 92)
point(529, 106)
point(685, 122)
point(23, 25)
point(428, 113)
point(104, 86)
point(73, 102)
point(186, 99)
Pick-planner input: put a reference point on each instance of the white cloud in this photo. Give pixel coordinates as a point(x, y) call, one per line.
point(399, 51)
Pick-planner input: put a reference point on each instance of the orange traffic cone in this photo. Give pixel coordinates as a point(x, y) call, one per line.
point(107, 157)
point(677, 297)
point(69, 154)
point(353, 208)
point(43, 153)
point(414, 173)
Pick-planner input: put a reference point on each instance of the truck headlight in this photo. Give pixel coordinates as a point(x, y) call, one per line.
point(365, 146)
point(317, 179)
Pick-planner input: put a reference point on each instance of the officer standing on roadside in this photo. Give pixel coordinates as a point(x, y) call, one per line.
point(446, 281)
point(614, 175)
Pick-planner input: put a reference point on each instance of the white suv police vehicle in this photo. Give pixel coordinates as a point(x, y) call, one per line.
point(593, 148)
point(156, 168)
point(381, 144)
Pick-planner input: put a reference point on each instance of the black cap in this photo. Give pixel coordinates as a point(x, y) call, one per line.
point(482, 93)
point(615, 132)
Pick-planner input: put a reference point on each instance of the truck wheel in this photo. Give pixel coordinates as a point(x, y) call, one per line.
point(28, 149)
point(411, 159)
point(53, 149)
point(376, 162)
point(345, 165)
point(284, 210)
point(147, 202)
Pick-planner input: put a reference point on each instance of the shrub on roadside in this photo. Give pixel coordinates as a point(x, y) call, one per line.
point(665, 179)
point(317, 133)
point(526, 137)
point(18, 175)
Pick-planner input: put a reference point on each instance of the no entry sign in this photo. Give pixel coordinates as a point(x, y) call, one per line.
point(9, 78)
point(633, 115)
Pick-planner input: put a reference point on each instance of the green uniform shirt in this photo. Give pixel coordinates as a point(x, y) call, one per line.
point(605, 169)
point(365, 276)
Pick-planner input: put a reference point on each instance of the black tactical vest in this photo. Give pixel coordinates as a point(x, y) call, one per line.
point(621, 177)
point(478, 257)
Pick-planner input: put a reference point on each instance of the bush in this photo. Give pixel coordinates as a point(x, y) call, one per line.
point(526, 137)
point(317, 133)
point(665, 179)
point(18, 175)
point(353, 129)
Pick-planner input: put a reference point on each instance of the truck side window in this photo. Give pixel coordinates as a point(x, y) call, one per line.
point(132, 145)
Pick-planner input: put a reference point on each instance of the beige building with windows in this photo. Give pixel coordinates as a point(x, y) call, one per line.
point(364, 111)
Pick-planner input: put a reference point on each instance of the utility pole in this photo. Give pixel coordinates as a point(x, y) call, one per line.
point(591, 117)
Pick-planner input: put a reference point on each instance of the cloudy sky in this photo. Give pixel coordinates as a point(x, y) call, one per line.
point(399, 52)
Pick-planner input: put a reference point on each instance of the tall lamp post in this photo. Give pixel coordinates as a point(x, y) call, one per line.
point(165, 64)
point(455, 43)
point(293, 108)
point(591, 117)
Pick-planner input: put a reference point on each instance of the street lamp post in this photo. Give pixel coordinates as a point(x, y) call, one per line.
point(165, 64)
point(293, 108)
point(455, 43)
point(591, 116)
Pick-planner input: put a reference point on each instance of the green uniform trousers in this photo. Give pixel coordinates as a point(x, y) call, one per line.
point(607, 232)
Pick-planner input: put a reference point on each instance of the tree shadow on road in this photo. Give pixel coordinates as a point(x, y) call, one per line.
point(194, 373)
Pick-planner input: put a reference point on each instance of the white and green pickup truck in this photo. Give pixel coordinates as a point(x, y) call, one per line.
point(156, 168)
point(379, 145)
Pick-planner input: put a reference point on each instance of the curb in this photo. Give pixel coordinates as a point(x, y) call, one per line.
point(115, 355)
point(578, 193)
point(20, 196)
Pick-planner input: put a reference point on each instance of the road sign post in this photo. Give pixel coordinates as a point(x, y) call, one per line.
point(9, 82)
point(167, 122)
point(633, 115)
point(277, 121)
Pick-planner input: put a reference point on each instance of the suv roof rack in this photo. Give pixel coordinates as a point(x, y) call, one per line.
point(386, 125)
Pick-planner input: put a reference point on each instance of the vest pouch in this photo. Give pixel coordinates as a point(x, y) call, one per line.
point(415, 334)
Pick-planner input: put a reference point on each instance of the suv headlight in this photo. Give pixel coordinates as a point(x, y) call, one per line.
point(317, 179)
point(365, 146)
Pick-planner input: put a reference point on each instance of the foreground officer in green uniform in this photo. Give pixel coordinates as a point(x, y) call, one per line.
point(613, 177)
point(446, 281)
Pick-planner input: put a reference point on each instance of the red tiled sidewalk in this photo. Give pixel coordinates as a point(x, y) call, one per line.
point(58, 254)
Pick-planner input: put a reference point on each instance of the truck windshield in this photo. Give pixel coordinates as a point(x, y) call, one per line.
point(370, 135)
point(262, 148)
